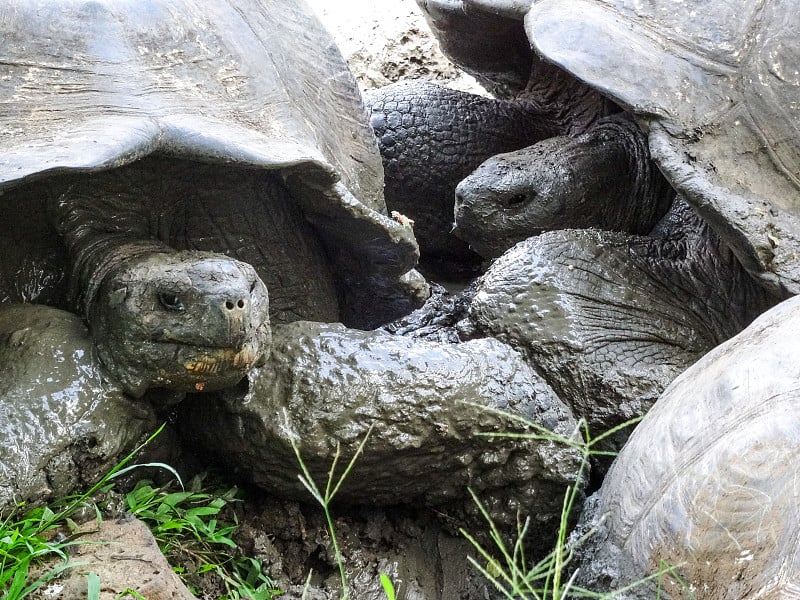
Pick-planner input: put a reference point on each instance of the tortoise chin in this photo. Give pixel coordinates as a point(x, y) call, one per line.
point(186, 321)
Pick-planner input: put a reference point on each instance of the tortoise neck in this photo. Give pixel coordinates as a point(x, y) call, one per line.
point(102, 225)
point(574, 105)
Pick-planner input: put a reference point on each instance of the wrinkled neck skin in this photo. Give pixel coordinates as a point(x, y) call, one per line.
point(602, 179)
point(182, 321)
point(572, 105)
point(101, 230)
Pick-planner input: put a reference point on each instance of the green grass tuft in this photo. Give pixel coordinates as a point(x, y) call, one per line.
point(28, 538)
point(191, 523)
point(507, 568)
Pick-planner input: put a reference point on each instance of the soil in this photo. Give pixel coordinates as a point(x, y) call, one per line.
point(384, 42)
point(409, 545)
point(291, 539)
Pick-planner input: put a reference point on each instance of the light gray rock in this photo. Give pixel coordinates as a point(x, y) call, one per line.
point(125, 556)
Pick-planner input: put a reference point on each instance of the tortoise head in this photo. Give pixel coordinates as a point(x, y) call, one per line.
point(186, 321)
point(601, 179)
point(513, 196)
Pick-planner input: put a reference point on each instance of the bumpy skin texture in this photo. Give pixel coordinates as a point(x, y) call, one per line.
point(326, 385)
point(610, 319)
point(603, 179)
point(719, 494)
point(441, 319)
point(62, 422)
point(432, 137)
point(716, 83)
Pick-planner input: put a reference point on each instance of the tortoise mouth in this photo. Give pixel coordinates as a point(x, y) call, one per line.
point(257, 336)
point(212, 359)
point(178, 343)
point(205, 368)
point(184, 365)
point(210, 363)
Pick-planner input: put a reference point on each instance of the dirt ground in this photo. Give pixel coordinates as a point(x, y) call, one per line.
point(387, 40)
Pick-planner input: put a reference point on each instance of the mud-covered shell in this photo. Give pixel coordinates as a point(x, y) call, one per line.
point(718, 86)
point(708, 480)
point(93, 85)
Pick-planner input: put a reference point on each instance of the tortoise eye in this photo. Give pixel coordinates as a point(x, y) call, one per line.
point(171, 302)
point(514, 200)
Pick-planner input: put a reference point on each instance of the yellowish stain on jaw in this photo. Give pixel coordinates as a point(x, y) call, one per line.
point(212, 364)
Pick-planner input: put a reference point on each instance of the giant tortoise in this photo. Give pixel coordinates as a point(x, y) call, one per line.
point(431, 137)
point(161, 163)
point(713, 90)
point(716, 86)
point(169, 157)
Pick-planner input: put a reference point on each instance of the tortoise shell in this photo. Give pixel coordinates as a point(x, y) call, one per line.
point(717, 85)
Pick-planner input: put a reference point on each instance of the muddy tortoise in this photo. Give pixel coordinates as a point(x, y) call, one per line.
point(165, 164)
point(169, 163)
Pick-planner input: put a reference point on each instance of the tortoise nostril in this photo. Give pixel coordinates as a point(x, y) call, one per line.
point(234, 304)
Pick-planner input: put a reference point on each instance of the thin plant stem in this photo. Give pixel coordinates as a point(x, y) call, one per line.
point(330, 491)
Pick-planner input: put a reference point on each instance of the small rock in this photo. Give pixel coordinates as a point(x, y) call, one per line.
point(125, 556)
